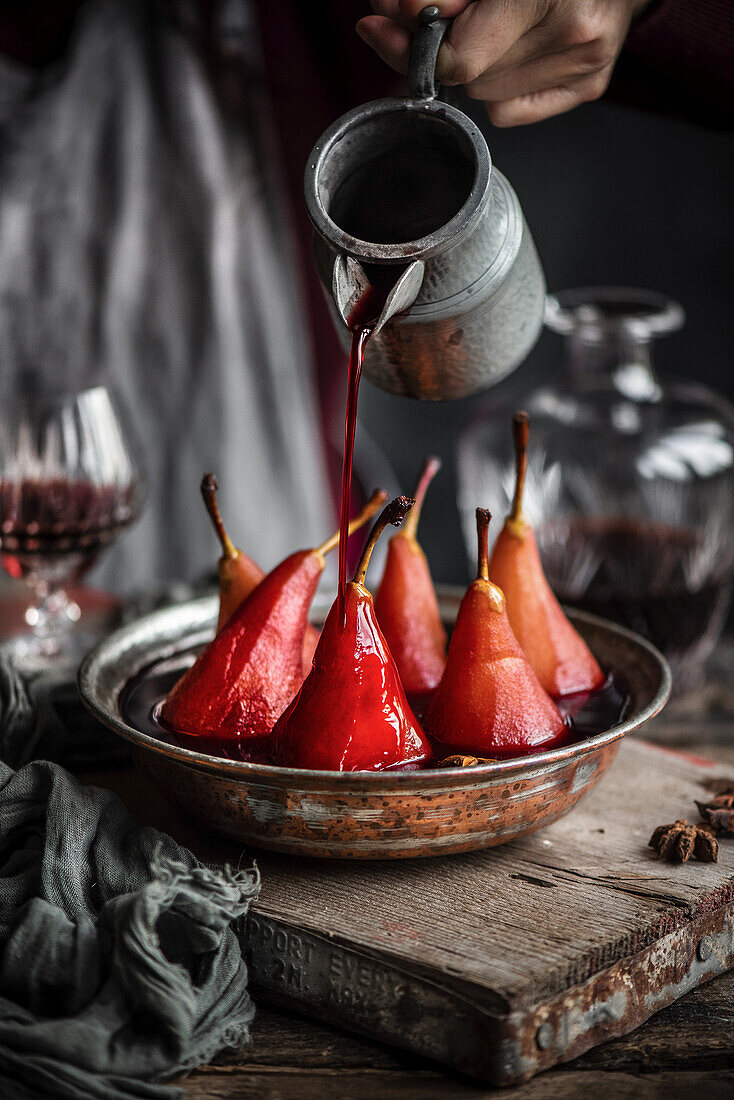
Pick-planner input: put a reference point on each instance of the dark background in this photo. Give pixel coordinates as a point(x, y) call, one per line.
point(613, 196)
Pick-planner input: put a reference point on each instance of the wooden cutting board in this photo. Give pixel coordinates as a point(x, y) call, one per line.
point(504, 962)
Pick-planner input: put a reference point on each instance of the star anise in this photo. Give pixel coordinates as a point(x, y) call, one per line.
point(464, 761)
point(682, 841)
point(719, 812)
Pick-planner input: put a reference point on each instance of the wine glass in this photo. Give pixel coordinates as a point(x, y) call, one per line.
point(71, 480)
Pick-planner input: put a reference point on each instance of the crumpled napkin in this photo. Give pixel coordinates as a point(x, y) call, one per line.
point(41, 715)
point(119, 963)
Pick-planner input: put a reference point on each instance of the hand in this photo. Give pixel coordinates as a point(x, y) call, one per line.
point(527, 59)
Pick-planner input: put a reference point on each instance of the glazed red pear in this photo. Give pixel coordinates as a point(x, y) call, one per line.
point(406, 604)
point(351, 713)
point(254, 666)
point(489, 701)
point(373, 505)
point(238, 574)
point(251, 670)
point(562, 661)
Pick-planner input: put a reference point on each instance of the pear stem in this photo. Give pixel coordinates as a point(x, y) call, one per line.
point(375, 502)
point(483, 518)
point(209, 486)
point(394, 513)
point(430, 468)
point(520, 431)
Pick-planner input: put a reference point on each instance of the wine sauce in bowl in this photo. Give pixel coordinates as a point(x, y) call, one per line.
point(586, 715)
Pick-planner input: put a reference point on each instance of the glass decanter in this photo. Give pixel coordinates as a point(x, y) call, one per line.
point(630, 482)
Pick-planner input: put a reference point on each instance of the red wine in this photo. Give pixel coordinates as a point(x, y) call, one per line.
point(144, 694)
point(58, 523)
point(356, 358)
point(361, 321)
point(644, 576)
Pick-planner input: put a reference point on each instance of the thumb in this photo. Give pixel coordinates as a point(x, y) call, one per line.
point(411, 9)
point(389, 31)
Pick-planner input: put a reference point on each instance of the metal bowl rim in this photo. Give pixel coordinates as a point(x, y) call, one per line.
point(95, 661)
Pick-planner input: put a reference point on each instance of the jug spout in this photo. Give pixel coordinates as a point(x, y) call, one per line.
point(356, 297)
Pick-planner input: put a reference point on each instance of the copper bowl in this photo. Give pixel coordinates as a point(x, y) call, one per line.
point(365, 815)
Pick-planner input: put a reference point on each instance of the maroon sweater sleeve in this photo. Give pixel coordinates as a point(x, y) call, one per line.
point(679, 59)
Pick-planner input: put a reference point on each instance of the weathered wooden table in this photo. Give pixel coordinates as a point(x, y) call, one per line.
point(685, 1050)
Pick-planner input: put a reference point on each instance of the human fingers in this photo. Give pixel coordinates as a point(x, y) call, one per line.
point(565, 59)
point(411, 9)
point(481, 33)
point(406, 12)
point(537, 106)
point(391, 9)
point(541, 73)
point(388, 39)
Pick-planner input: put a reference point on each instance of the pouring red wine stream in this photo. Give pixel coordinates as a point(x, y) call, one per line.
point(361, 322)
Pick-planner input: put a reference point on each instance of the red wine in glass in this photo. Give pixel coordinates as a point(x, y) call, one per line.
point(70, 483)
point(56, 524)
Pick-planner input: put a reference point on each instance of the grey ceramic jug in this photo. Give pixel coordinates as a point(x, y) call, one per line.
point(404, 189)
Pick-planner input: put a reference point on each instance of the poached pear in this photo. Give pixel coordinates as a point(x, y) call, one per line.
point(351, 713)
point(253, 667)
point(406, 604)
point(239, 574)
point(489, 702)
point(562, 661)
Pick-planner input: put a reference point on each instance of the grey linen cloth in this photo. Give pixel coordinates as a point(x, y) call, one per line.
point(119, 962)
point(41, 715)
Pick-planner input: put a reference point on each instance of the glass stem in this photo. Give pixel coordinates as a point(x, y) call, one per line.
point(51, 614)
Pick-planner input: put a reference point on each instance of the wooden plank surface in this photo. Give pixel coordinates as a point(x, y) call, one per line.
point(280, 1085)
point(527, 920)
point(516, 923)
point(684, 1050)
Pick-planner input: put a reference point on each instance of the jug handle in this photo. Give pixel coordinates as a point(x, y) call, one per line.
point(424, 53)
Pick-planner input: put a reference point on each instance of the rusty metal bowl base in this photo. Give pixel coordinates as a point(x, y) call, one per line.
point(366, 815)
